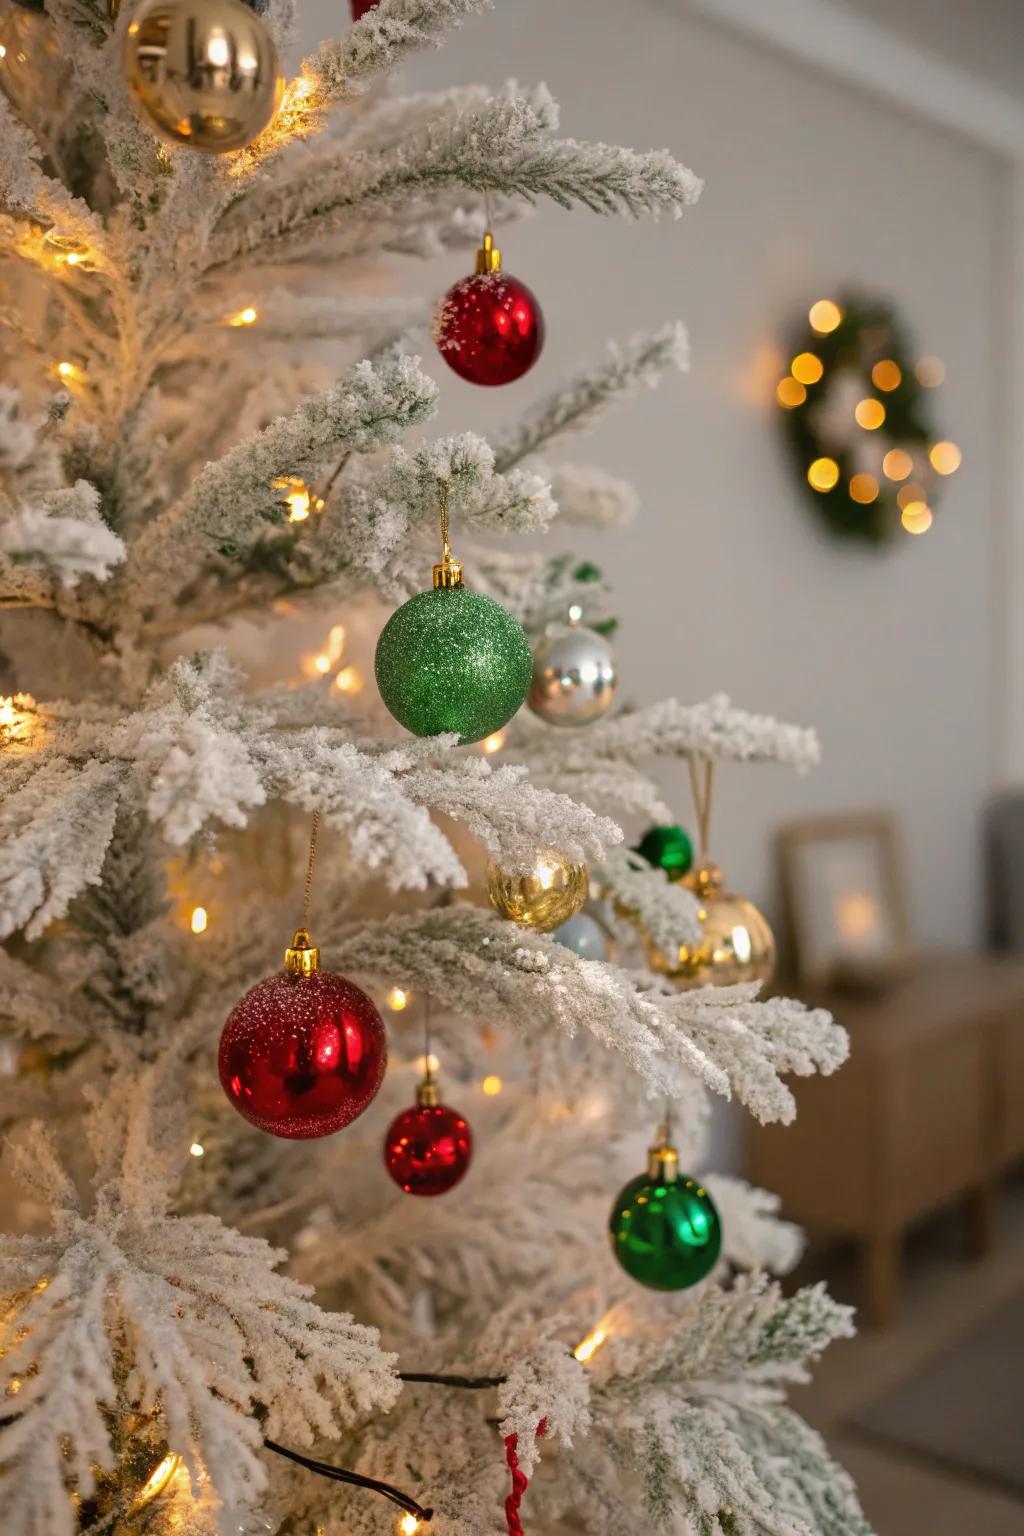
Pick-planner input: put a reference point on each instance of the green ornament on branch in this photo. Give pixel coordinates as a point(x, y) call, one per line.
point(668, 848)
point(664, 1227)
point(451, 659)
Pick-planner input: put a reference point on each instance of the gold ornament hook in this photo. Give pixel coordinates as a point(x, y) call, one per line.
point(488, 257)
point(301, 958)
point(662, 1157)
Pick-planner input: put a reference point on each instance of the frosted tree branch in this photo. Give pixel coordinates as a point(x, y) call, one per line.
point(723, 1037)
point(580, 403)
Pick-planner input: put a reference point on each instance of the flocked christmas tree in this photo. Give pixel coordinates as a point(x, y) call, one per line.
point(195, 1292)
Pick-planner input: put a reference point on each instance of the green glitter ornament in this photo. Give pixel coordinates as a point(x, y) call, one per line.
point(664, 1226)
point(667, 848)
point(453, 660)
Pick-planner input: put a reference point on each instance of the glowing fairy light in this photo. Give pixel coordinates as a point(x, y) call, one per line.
point(247, 316)
point(492, 1085)
point(291, 120)
point(197, 1149)
point(408, 1525)
point(917, 517)
point(790, 393)
point(429, 1065)
point(319, 663)
point(823, 474)
point(886, 375)
point(946, 458)
point(587, 1348)
point(199, 920)
point(869, 414)
point(68, 371)
point(297, 497)
point(397, 999)
point(14, 722)
point(807, 368)
point(897, 464)
point(348, 680)
point(493, 743)
point(864, 488)
point(158, 1478)
point(824, 316)
point(910, 492)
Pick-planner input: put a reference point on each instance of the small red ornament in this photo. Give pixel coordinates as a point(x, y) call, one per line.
point(489, 328)
point(427, 1148)
point(303, 1052)
point(360, 8)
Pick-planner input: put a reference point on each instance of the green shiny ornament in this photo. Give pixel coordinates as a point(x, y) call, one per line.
point(453, 660)
point(667, 848)
point(664, 1226)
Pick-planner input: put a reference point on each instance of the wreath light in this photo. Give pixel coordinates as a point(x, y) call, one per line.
point(856, 407)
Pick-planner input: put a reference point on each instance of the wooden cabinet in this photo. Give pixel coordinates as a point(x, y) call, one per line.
point(929, 1107)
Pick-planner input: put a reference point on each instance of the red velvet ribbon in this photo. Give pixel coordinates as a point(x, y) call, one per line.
point(520, 1481)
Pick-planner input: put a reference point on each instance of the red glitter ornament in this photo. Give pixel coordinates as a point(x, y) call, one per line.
point(427, 1148)
point(303, 1052)
point(360, 7)
point(489, 328)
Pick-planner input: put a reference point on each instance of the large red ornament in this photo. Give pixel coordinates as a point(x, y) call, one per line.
point(303, 1052)
point(427, 1148)
point(360, 7)
point(489, 328)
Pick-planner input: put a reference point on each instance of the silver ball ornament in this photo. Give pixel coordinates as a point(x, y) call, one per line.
point(574, 675)
point(202, 72)
point(584, 935)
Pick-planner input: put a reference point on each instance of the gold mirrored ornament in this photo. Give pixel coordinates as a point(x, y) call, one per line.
point(736, 944)
point(202, 72)
point(544, 899)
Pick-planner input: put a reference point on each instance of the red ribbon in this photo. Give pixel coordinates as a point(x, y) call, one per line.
point(520, 1481)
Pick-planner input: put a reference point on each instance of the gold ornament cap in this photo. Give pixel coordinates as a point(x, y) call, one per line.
point(662, 1158)
point(428, 1094)
point(488, 257)
point(705, 879)
point(301, 958)
point(448, 573)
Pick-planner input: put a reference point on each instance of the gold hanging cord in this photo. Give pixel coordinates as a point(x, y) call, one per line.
point(302, 957)
point(701, 799)
point(449, 572)
point(427, 1094)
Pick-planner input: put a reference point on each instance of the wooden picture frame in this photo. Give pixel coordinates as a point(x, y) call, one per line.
point(845, 898)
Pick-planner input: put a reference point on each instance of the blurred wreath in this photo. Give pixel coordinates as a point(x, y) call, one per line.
point(857, 410)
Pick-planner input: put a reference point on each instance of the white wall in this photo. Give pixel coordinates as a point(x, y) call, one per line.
point(728, 582)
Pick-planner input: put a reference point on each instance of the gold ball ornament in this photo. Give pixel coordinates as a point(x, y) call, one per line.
point(736, 943)
point(202, 72)
point(544, 899)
